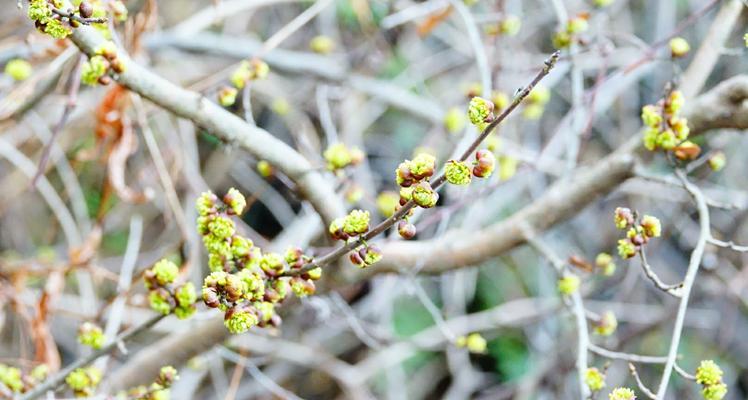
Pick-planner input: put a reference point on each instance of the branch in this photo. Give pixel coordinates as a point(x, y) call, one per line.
point(58, 379)
point(693, 268)
point(436, 183)
point(73, 17)
point(673, 290)
point(223, 124)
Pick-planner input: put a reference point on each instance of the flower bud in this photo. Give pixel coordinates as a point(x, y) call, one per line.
point(235, 201)
point(457, 172)
point(85, 9)
point(424, 195)
point(510, 26)
point(91, 335)
point(454, 120)
point(322, 44)
point(265, 169)
point(356, 222)
point(714, 392)
point(651, 116)
point(272, 264)
point(687, 151)
point(480, 111)
point(227, 96)
point(165, 272)
point(167, 376)
point(674, 102)
point(651, 226)
point(387, 202)
point(474, 342)
point(626, 249)
point(484, 163)
point(622, 394)
point(717, 161)
point(206, 204)
point(623, 217)
point(708, 373)
point(18, 69)
point(211, 297)
point(357, 259)
point(568, 284)
point(422, 166)
point(337, 156)
point(594, 379)
point(607, 324)
point(679, 47)
point(239, 319)
point(406, 229)
point(302, 287)
point(161, 301)
point(604, 261)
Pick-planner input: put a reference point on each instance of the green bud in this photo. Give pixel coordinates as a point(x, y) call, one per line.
point(356, 222)
point(457, 172)
point(387, 203)
point(18, 69)
point(91, 335)
point(708, 373)
point(651, 226)
point(165, 271)
point(651, 116)
point(206, 204)
point(594, 379)
point(714, 392)
point(167, 375)
point(321, 44)
point(337, 156)
point(622, 394)
point(11, 377)
point(679, 47)
point(240, 319)
point(186, 295)
point(94, 69)
point(717, 161)
point(265, 169)
point(454, 120)
point(424, 195)
point(160, 301)
point(626, 249)
point(568, 284)
point(235, 200)
point(227, 96)
point(607, 324)
point(480, 111)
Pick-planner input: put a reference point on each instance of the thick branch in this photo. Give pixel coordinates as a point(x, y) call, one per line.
point(223, 124)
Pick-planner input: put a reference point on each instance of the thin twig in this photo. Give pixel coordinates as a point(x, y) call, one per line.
point(728, 245)
point(386, 224)
point(639, 382)
point(57, 379)
point(693, 269)
point(673, 290)
point(73, 85)
point(70, 15)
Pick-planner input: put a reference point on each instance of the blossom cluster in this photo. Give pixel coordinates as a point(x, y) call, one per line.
point(666, 130)
point(18, 381)
point(638, 231)
point(244, 283)
point(247, 71)
point(709, 375)
point(164, 295)
point(159, 389)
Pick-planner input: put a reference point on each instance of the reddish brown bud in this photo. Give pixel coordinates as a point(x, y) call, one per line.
point(85, 9)
point(406, 230)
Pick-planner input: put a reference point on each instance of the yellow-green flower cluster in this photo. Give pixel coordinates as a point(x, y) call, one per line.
point(709, 375)
point(93, 70)
point(570, 34)
point(365, 256)
point(594, 379)
point(387, 203)
point(413, 178)
point(246, 283)
point(227, 96)
point(18, 69)
point(164, 296)
point(474, 342)
point(604, 262)
point(622, 393)
point(90, 334)
point(159, 389)
point(83, 381)
point(11, 377)
point(480, 112)
point(568, 284)
point(607, 324)
point(665, 129)
point(679, 47)
point(638, 233)
point(454, 120)
point(339, 156)
point(322, 44)
point(40, 11)
point(251, 70)
point(717, 161)
point(457, 172)
point(354, 224)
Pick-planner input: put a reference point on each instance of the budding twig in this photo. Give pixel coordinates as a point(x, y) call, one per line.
point(73, 17)
point(399, 214)
point(58, 379)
